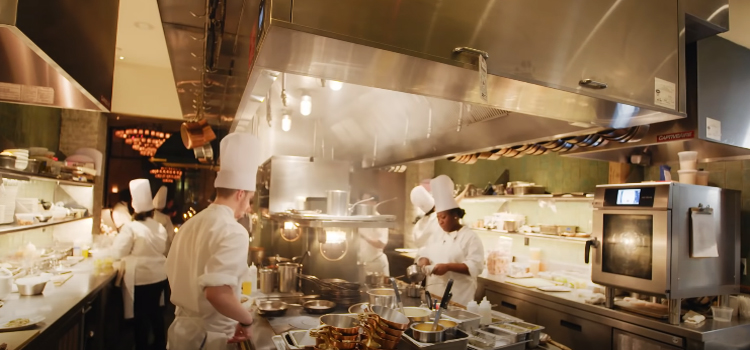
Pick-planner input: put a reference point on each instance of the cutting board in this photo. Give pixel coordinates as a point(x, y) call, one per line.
point(17, 339)
point(530, 282)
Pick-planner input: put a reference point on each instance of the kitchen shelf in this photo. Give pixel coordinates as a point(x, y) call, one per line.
point(329, 221)
point(528, 197)
point(537, 235)
point(15, 228)
point(24, 176)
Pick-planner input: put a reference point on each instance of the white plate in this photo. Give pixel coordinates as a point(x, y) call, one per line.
point(33, 321)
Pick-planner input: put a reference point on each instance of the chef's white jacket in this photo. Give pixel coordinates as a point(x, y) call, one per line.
point(145, 241)
point(373, 258)
point(210, 251)
point(424, 229)
point(165, 221)
point(462, 246)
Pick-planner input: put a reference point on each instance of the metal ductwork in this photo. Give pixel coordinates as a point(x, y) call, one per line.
point(58, 53)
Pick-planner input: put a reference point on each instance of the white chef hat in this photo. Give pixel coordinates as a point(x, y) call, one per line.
point(240, 158)
point(422, 199)
point(442, 190)
point(140, 190)
point(160, 200)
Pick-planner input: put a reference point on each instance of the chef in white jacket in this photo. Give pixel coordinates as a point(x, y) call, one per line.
point(427, 224)
point(209, 257)
point(455, 254)
point(141, 247)
point(160, 201)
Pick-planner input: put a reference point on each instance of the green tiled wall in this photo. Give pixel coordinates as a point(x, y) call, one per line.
point(733, 175)
point(23, 126)
point(556, 173)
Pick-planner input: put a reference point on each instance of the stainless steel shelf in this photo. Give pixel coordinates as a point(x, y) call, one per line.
point(538, 235)
point(323, 221)
point(16, 228)
point(529, 197)
point(24, 176)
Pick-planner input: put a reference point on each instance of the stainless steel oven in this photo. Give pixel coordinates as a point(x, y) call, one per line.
point(642, 239)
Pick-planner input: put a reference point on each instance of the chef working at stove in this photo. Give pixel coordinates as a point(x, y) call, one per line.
point(371, 244)
point(209, 257)
point(455, 254)
point(426, 224)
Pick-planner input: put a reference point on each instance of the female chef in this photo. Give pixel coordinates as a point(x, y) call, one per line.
point(455, 254)
point(141, 246)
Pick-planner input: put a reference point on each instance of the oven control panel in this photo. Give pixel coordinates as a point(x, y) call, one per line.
point(629, 197)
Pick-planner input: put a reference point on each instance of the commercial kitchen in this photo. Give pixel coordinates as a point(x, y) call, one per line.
point(594, 154)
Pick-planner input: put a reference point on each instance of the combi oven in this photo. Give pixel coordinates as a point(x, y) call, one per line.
point(642, 236)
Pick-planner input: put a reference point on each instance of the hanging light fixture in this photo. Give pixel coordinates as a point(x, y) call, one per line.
point(144, 141)
point(335, 85)
point(305, 105)
point(286, 123)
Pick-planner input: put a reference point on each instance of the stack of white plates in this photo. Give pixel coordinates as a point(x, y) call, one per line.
point(22, 157)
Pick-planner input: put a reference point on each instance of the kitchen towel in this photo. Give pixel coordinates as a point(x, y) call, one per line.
point(703, 236)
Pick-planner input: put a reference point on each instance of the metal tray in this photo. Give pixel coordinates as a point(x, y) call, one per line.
point(516, 333)
point(461, 341)
point(515, 346)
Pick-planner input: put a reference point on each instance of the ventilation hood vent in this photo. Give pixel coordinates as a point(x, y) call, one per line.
point(718, 111)
point(58, 53)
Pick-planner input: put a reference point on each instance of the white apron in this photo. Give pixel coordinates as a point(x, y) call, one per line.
point(129, 264)
point(188, 333)
point(443, 251)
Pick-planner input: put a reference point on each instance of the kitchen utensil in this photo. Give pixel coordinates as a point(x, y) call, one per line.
point(414, 290)
point(429, 303)
point(337, 203)
point(319, 306)
point(342, 323)
point(427, 333)
point(417, 314)
point(288, 277)
point(398, 296)
point(360, 308)
point(382, 297)
point(535, 332)
point(415, 274)
point(272, 308)
point(391, 317)
point(267, 280)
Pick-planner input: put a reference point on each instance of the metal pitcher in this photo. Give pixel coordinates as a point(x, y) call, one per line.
point(288, 277)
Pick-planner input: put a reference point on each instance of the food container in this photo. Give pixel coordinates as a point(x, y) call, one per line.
point(722, 313)
point(288, 277)
point(566, 230)
point(519, 334)
point(688, 160)
point(467, 321)
point(701, 178)
point(33, 166)
point(25, 219)
point(535, 335)
point(548, 229)
point(461, 341)
point(418, 314)
point(337, 203)
point(687, 176)
point(382, 297)
point(31, 285)
point(422, 332)
point(267, 280)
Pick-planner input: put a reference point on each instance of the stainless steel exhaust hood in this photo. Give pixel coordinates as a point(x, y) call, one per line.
point(58, 53)
point(718, 123)
point(561, 76)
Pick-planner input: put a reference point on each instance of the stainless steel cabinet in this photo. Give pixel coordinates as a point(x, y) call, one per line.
point(625, 45)
point(512, 306)
point(575, 332)
point(622, 340)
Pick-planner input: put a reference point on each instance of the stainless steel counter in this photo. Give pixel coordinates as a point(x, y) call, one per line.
point(55, 302)
point(708, 331)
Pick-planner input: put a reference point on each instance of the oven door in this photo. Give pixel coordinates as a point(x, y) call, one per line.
point(633, 249)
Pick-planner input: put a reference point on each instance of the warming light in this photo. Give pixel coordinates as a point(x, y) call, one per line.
point(115, 189)
point(286, 123)
point(145, 141)
point(305, 105)
point(335, 85)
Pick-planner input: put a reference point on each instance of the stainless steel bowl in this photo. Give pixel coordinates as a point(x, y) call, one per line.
point(31, 288)
point(418, 314)
point(391, 317)
point(385, 297)
point(342, 323)
point(422, 333)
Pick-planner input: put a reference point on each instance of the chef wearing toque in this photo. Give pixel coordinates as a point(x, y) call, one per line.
point(141, 247)
point(455, 253)
point(209, 256)
point(427, 224)
point(160, 201)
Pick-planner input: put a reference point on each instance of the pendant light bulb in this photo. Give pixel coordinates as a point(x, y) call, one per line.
point(305, 105)
point(286, 123)
point(335, 85)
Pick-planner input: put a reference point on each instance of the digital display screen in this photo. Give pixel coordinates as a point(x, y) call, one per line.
point(629, 196)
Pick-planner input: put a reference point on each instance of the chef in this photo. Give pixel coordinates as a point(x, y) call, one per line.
point(209, 257)
point(371, 244)
point(427, 223)
point(141, 246)
point(160, 201)
point(120, 212)
point(456, 253)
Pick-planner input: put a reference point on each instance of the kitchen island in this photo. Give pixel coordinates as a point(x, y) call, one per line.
point(569, 320)
point(73, 312)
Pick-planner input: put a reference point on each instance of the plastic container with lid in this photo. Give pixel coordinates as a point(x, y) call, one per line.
point(250, 281)
point(722, 313)
point(701, 178)
point(688, 160)
point(485, 311)
point(688, 176)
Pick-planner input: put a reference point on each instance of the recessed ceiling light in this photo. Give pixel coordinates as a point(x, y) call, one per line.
point(122, 57)
point(144, 25)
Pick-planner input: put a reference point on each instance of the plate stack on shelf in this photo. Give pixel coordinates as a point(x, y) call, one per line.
point(22, 157)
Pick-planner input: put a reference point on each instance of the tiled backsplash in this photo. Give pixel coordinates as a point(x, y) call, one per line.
point(556, 173)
